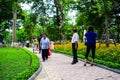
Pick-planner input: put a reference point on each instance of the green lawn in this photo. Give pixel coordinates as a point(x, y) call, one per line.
point(12, 62)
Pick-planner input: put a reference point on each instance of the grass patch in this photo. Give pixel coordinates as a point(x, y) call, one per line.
point(14, 62)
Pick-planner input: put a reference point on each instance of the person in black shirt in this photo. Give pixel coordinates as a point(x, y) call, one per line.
point(39, 39)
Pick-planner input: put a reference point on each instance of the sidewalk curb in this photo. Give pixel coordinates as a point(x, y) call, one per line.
point(107, 68)
point(37, 72)
point(99, 65)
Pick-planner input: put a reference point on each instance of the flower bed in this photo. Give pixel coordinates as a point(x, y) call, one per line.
point(106, 56)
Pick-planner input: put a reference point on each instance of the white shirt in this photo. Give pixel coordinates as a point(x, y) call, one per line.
point(27, 41)
point(75, 38)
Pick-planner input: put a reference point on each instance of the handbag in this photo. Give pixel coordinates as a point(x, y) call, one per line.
point(49, 52)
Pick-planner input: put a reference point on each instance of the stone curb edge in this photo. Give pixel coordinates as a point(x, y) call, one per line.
point(99, 65)
point(107, 68)
point(37, 72)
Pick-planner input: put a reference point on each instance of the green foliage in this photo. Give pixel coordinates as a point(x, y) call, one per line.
point(29, 24)
point(37, 31)
point(34, 65)
point(7, 37)
point(16, 63)
point(53, 18)
point(6, 12)
point(12, 62)
point(20, 34)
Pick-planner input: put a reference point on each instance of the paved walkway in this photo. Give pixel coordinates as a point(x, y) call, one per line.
point(58, 67)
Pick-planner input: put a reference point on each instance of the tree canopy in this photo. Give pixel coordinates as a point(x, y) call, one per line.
point(52, 17)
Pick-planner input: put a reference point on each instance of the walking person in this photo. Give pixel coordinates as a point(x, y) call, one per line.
point(44, 46)
point(27, 43)
point(74, 41)
point(90, 43)
point(35, 43)
point(39, 39)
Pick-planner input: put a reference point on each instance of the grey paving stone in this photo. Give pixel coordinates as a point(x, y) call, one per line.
point(58, 67)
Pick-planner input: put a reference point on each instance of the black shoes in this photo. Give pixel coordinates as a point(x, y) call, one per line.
point(45, 59)
point(85, 64)
point(73, 63)
point(92, 64)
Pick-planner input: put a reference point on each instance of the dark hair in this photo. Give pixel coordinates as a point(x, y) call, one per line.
point(74, 30)
point(44, 34)
point(90, 29)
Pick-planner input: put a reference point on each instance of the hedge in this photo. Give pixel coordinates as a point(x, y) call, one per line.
point(33, 67)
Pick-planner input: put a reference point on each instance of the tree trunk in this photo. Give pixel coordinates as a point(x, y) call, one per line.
point(106, 21)
point(107, 30)
point(60, 15)
point(14, 25)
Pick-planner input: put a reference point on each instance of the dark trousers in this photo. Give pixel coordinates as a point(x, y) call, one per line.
point(44, 54)
point(74, 53)
point(39, 48)
point(90, 47)
point(27, 44)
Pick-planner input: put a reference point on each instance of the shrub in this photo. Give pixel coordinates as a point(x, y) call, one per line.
point(33, 67)
point(106, 56)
